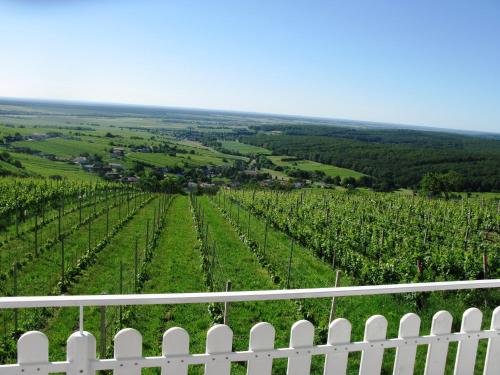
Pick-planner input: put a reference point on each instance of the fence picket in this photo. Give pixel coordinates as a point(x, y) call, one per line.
point(219, 340)
point(467, 350)
point(261, 338)
point(492, 362)
point(81, 351)
point(175, 342)
point(409, 327)
point(436, 354)
point(128, 345)
point(339, 332)
point(33, 347)
point(371, 359)
point(302, 335)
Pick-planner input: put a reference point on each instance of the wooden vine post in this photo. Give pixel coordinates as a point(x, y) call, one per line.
point(107, 214)
point(147, 234)
point(121, 292)
point(226, 304)
point(102, 329)
point(89, 233)
point(289, 265)
point(248, 226)
point(333, 307)
point(36, 233)
point(62, 261)
point(16, 311)
point(265, 237)
point(136, 265)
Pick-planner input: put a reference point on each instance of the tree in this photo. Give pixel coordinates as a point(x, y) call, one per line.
point(435, 184)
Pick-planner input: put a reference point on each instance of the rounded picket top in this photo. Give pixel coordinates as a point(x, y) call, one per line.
point(375, 328)
point(219, 339)
point(175, 341)
point(409, 325)
point(339, 331)
point(262, 336)
point(441, 322)
point(471, 320)
point(81, 349)
point(495, 319)
point(302, 334)
point(33, 347)
point(128, 344)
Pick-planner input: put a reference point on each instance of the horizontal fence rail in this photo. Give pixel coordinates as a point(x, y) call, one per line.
point(241, 296)
point(33, 348)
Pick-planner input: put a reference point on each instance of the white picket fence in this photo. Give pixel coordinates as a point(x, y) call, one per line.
point(175, 358)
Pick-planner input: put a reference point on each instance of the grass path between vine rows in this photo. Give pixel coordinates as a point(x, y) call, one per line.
point(175, 268)
point(241, 267)
point(102, 278)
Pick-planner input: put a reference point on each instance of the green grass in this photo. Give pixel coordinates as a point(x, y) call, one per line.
point(236, 263)
point(67, 148)
point(312, 166)
point(156, 159)
point(244, 148)
point(175, 268)
point(102, 278)
point(39, 166)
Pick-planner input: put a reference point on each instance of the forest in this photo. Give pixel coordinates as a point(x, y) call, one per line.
point(396, 158)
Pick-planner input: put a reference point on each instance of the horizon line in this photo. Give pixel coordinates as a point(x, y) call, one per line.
point(84, 102)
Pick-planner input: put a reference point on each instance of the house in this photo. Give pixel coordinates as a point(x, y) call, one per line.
point(80, 160)
point(38, 136)
point(112, 176)
point(266, 183)
point(251, 173)
point(205, 185)
point(192, 186)
point(115, 166)
point(117, 152)
point(89, 168)
point(130, 179)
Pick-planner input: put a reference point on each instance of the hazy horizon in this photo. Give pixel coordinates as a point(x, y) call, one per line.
point(365, 61)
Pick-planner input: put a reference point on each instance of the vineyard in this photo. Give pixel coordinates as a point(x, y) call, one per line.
point(60, 237)
point(384, 238)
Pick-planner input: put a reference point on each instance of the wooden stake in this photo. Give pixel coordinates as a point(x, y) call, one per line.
point(333, 308)
point(102, 328)
point(289, 265)
point(226, 304)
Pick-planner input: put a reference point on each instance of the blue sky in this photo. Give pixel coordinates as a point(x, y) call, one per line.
point(434, 63)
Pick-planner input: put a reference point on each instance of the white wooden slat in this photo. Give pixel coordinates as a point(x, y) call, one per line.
point(175, 342)
point(339, 332)
point(371, 359)
point(261, 338)
point(81, 351)
point(219, 340)
point(33, 347)
point(437, 353)
point(467, 350)
point(409, 327)
point(128, 345)
point(492, 362)
point(239, 296)
point(302, 335)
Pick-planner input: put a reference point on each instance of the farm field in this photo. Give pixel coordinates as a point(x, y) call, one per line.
point(244, 148)
point(63, 147)
point(312, 166)
point(46, 168)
